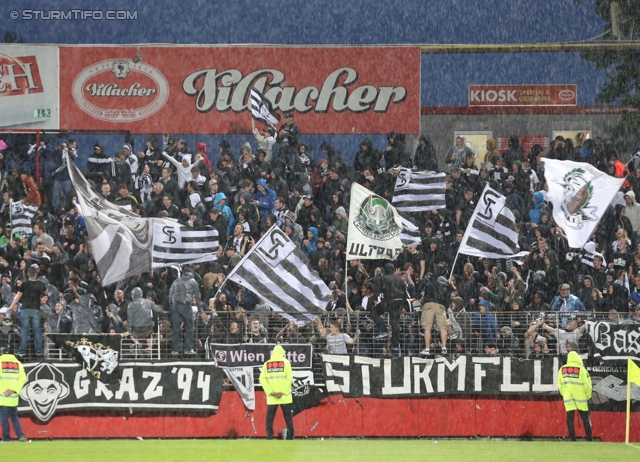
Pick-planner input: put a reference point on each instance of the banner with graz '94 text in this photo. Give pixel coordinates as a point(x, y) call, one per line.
point(207, 89)
point(180, 386)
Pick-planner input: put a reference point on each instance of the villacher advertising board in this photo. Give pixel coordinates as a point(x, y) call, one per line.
point(29, 87)
point(200, 89)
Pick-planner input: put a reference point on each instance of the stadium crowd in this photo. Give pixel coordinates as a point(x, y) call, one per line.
point(531, 308)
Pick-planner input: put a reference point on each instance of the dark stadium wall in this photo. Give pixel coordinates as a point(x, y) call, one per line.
point(460, 417)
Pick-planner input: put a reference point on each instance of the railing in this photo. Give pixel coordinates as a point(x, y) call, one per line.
point(473, 333)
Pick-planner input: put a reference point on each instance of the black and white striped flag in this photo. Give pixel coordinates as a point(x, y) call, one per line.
point(278, 272)
point(491, 232)
point(22, 217)
point(262, 111)
point(410, 233)
point(419, 191)
point(125, 244)
point(180, 245)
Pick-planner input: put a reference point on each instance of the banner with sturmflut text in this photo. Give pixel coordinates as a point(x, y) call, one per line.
point(414, 377)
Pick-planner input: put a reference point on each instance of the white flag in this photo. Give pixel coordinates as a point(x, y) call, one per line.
point(491, 232)
point(580, 195)
point(410, 235)
point(125, 244)
point(374, 227)
point(278, 272)
point(419, 191)
point(242, 380)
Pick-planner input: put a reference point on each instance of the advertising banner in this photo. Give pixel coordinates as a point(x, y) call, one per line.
point(29, 87)
point(256, 354)
point(523, 95)
point(200, 89)
point(149, 387)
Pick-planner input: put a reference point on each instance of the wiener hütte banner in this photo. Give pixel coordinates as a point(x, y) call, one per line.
point(206, 89)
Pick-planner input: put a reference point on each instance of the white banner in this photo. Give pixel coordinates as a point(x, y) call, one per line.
point(29, 86)
point(374, 227)
point(580, 195)
point(242, 380)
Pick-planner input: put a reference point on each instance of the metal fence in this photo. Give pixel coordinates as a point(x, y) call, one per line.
point(522, 335)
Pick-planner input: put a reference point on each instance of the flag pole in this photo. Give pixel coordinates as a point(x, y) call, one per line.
point(455, 260)
point(628, 420)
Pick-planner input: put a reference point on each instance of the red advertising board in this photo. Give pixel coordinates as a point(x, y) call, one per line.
point(196, 89)
point(523, 95)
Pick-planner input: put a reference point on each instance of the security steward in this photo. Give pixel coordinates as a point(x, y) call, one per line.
point(12, 379)
point(574, 384)
point(276, 379)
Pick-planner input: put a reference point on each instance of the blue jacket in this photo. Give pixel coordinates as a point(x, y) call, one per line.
point(266, 199)
point(536, 212)
point(486, 323)
point(307, 249)
point(225, 209)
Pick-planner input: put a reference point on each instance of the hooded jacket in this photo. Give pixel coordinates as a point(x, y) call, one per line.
point(101, 164)
point(307, 249)
point(12, 377)
point(276, 377)
point(140, 311)
point(536, 212)
point(224, 208)
point(184, 173)
point(574, 383)
point(182, 290)
point(85, 320)
point(367, 158)
point(632, 212)
point(492, 151)
point(202, 149)
point(425, 157)
point(266, 199)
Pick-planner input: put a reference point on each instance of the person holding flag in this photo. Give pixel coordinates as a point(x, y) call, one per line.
point(574, 384)
point(276, 379)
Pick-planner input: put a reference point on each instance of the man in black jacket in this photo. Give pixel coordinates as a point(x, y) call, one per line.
point(394, 298)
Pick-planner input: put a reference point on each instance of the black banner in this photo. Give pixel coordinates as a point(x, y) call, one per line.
point(150, 387)
point(256, 354)
point(305, 393)
point(614, 342)
point(357, 376)
point(610, 388)
point(98, 353)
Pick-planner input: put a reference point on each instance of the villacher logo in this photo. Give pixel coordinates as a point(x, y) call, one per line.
point(229, 90)
point(120, 90)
